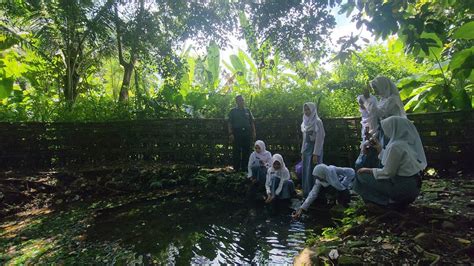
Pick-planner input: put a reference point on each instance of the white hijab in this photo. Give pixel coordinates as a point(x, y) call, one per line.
point(401, 131)
point(309, 122)
point(387, 89)
point(263, 155)
point(327, 175)
point(283, 172)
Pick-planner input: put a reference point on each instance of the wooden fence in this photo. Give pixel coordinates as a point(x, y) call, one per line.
point(447, 139)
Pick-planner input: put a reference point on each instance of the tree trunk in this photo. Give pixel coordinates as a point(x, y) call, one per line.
point(259, 76)
point(127, 76)
point(138, 93)
point(128, 66)
point(71, 79)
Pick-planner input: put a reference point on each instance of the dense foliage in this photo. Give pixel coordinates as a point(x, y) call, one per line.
point(115, 60)
point(439, 33)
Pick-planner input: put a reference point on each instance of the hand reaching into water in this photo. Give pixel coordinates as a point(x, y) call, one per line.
point(297, 214)
point(269, 199)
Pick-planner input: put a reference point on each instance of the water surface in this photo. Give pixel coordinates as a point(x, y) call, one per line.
point(202, 231)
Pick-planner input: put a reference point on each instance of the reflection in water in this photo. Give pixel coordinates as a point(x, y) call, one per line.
point(198, 231)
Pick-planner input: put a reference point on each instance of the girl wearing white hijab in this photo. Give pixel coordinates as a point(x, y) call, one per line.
point(259, 161)
point(398, 182)
point(368, 121)
point(390, 103)
point(278, 183)
point(312, 146)
point(340, 178)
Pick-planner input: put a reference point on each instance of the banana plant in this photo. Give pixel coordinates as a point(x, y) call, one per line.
point(201, 78)
point(9, 68)
point(246, 75)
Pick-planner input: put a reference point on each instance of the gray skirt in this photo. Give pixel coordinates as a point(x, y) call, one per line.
point(287, 190)
point(260, 173)
point(396, 190)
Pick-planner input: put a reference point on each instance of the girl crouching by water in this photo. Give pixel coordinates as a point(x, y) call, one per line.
point(278, 184)
point(397, 183)
point(339, 178)
point(259, 162)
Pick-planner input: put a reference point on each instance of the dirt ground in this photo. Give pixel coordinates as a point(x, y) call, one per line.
point(437, 229)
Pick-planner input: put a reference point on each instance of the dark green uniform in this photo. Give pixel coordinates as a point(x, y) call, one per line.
point(241, 122)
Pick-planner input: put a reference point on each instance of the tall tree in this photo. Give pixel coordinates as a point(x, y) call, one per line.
point(152, 31)
point(291, 27)
point(75, 30)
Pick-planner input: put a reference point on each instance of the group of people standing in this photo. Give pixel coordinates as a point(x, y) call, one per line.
point(387, 172)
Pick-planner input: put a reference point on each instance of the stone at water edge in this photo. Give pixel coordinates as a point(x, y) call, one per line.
point(304, 258)
point(333, 254)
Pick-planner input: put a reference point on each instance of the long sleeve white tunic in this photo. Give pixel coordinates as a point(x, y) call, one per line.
point(342, 180)
point(283, 174)
point(254, 160)
point(319, 139)
point(398, 162)
point(386, 107)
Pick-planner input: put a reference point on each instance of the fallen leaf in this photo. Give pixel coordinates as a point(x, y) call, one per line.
point(387, 246)
point(463, 241)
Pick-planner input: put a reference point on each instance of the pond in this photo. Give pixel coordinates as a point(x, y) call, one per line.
point(194, 230)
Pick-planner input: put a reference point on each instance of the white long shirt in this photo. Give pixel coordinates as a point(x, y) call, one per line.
point(398, 162)
point(253, 161)
point(319, 140)
point(368, 119)
point(283, 174)
point(386, 107)
point(341, 181)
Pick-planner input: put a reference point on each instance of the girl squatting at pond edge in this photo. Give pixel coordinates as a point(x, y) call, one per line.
point(259, 162)
point(397, 182)
point(278, 183)
point(326, 176)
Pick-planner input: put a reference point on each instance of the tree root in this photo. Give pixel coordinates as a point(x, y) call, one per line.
point(437, 257)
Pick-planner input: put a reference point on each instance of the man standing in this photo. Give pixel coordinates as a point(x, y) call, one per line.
point(241, 128)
